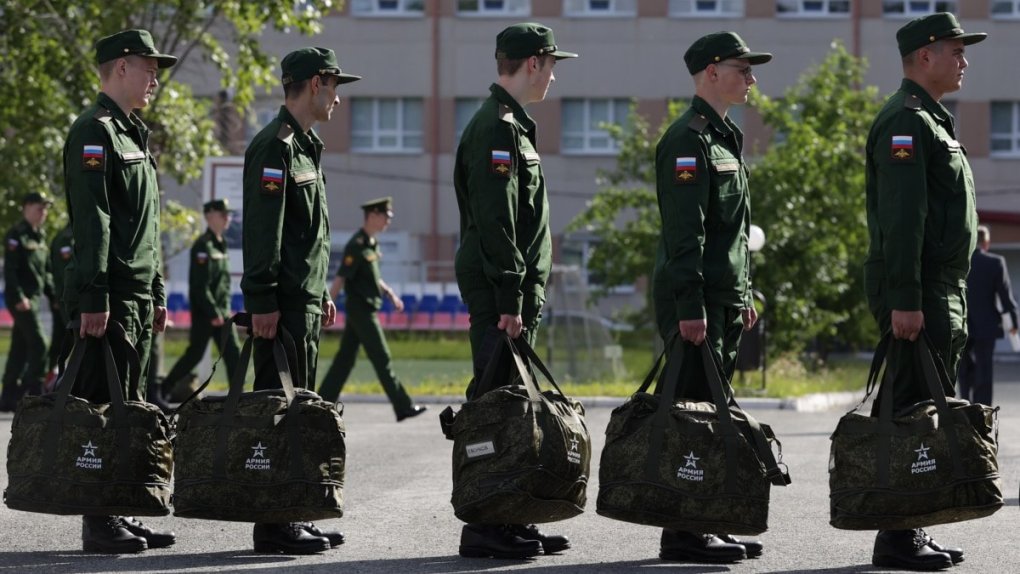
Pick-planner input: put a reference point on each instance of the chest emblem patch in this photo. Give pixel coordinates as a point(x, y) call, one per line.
point(93, 157)
point(903, 148)
point(686, 169)
point(501, 162)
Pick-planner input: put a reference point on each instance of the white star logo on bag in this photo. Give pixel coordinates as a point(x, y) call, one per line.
point(692, 461)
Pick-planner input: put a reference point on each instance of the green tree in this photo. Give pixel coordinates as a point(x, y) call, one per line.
point(808, 195)
point(47, 76)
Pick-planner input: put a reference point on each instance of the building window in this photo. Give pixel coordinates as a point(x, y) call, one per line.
point(583, 120)
point(706, 8)
point(913, 8)
point(600, 8)
point(1006, 9)
point(465, 110)
point(388, 7)
point(493, 7)
point(812, 8)
point(386, 124)
point(1005, 129)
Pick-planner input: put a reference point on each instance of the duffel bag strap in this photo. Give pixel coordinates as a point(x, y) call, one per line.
point(660, 420)
point(721, 398)
point(931, 366)
point(529, 353)
point(655, 367)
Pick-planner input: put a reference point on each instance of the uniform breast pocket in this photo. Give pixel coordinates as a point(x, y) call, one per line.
point(949, 165)
point(728, 189)
point(136, 175)
point(302, 196)
point(529, 178)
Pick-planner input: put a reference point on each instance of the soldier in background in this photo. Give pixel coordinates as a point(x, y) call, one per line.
point(60, 255)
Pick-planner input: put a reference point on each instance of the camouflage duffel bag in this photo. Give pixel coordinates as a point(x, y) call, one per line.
point(688, 465)
point(932, 463)
point(70, 456)
point(267, 456)
point(520, 455)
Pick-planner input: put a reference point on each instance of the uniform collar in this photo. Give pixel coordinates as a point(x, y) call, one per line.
point(123, 120)
point(504, 97)
point(723, 126)
point(301, 137)
point(368, 239)
point(934, 108)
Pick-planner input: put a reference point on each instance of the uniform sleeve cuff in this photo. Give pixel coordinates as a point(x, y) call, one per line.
point(690, 310)
point(509, 302)
point(95, 302)
point(261, 305)
point(905, 299)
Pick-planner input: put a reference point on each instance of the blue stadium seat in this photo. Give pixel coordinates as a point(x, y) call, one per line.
point(237, 302)
point(177, 302)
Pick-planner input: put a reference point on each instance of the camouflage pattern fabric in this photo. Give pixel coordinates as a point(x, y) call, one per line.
point(69, 456)
point(933, 464)
point(699, 484)
point(520, 456)
point(280, 457)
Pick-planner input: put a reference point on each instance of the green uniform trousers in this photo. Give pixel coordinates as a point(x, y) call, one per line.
point(725, 326)
point(198, 340)
point(305, 329)
point(482, 308)
point(26, 361)
point(945, 320)
point(135, 314)
point(363, 328)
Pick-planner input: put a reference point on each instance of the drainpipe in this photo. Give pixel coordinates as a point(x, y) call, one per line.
point(855, 16)
point(433, 250)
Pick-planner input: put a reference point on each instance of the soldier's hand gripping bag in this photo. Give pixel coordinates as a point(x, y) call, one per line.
point(520, 455)
point(266, 456)
point(932, 463)
point(689, 465)
point(70, 456)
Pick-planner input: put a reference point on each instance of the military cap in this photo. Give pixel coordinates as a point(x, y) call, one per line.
point(307, 62)
point(216, 205)
point(36, 197)
point(528, 39)
point(920, 32)
point(131, 43)
point(381, 205)
point(715, 48)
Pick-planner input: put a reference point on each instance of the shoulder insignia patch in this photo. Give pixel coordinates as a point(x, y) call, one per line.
point(272, 181)
point(285, 134)
point(93, 157)
point(505, 113)
point(348, 260)
point(370, 257)
point(698, 123)
point(103, 115)
point(902, 149)
point(65, 252)
point(686, 170)
point(360, 241)
point(912, 102)
point(12, 244)
point(501, 162)
point(201, 257)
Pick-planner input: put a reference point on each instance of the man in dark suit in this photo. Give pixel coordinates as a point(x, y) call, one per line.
point(988, 278)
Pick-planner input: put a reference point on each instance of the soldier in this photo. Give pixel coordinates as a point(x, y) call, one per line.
point(359, 277)
point(286, 246)
point(922, 221)
point(113, 202)
point(27, 277)
point(209, 294)
point(505, 253)
point(60, 256)
point(701, 283)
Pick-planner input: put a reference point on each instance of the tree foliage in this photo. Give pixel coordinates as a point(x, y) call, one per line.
point(48, 76)
point(807, 193)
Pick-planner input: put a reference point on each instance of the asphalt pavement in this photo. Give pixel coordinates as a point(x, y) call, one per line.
point(398, 516)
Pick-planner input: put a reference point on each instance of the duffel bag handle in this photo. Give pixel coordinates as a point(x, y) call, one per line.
point(528, 352)
point(658, 362)
point(934, 374)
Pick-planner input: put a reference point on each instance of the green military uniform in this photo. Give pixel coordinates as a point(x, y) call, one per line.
point(61, 249)
point(360, 271)
point(922, 217)
point(209, 295)
point(113, 202)
point(702, 266)
point(26, 276)
point(505, 253)
point(286, 226)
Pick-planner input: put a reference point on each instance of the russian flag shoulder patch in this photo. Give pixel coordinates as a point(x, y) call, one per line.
point(273, 181)
point(902, 148)
point(686, 169)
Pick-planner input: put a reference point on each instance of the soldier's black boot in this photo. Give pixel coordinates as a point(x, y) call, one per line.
point(414, 411)
point(108, 535)
point(335, 537)
point(691, 547)
point(154, 538)
point(287, 538)
point(497, 541)
point(955, 554)
point(551, 543)
point(909, 550)
point(753, 548)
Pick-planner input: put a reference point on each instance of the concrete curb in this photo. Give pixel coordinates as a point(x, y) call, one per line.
point(813, 403)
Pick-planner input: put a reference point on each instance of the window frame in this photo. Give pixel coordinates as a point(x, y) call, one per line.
point(587, 12)
point(907, 14)
point(821, 15)
point(401, 132)
point(487, 13)
point(718, 13)
point(375, 12)
point(588, 132)
point(1014, 15)
point(1013, 135)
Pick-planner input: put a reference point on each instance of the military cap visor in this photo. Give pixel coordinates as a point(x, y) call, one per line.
point(131, 43)
point(305, 63)
point(528, 39)
point(217, 205)
point(36, 197)
point(381, 205)
point(715, 48)
point(926, 30)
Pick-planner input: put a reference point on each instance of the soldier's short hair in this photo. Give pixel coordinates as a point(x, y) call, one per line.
point(507, 67)
point(294, 89)
point(984, 234)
